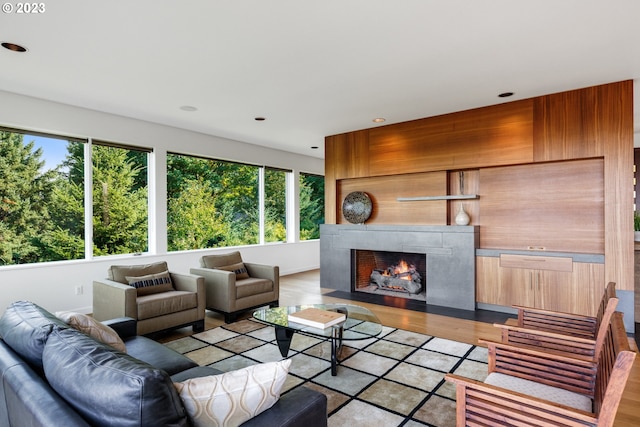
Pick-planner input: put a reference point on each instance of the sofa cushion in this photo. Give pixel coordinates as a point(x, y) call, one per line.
point(253, 286)
point(151, 283)
point(90, 326)
point(164, 303)
point(25, 327)
point(158, 355)
point(119, 273)
point(109, 388)
point(234, 397)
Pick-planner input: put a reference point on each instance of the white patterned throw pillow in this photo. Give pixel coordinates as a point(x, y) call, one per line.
point(232, 398)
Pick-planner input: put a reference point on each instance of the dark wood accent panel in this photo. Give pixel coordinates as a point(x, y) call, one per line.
point(346, 156)
point(490, 136)
point(384, 190)
point(349, 154)
point(547, 206)
point(566, 126)
point(614, 112)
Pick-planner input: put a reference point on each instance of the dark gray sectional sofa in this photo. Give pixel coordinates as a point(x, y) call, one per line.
point(53, 375)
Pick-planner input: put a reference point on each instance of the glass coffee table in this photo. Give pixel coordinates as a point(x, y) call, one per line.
point(360, 324)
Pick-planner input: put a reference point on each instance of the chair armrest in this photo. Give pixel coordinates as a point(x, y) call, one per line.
point(564, 344)
point(113, 299)
point(125, 327)
point(221, 280)
point(220, 287)
point(573, 373)
point(263, 271)
point(491, 405)
point(555, 321)
point(187, 282)
point(192, 283)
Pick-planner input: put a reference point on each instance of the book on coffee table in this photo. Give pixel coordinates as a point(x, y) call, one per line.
point(316, 317)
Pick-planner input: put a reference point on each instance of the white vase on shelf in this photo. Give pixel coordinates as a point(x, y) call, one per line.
point(462, 218)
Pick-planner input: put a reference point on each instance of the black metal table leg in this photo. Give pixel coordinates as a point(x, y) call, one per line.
point(336, 346)
point(283, 337)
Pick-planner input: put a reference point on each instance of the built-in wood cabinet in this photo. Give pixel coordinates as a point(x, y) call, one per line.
point(550, 283)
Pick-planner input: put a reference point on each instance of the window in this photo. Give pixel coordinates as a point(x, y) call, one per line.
point(120, 199)
point(41, 198)
point(213, 203)
point(275, 205)
point(311, 205)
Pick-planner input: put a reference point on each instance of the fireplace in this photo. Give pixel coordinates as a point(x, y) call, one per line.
point(399, 274)
point(447, 256)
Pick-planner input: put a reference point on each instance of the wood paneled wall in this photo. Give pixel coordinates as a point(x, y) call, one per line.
point(555, 206)
point(386, 209)
point(585, 123)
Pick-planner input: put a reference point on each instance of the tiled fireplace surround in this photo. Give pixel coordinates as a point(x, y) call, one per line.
point(449, 250)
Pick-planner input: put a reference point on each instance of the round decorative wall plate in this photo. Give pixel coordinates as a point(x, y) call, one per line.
point(356, 207)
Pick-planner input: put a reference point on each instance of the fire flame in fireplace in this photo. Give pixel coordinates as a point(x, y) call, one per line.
point(401, 270)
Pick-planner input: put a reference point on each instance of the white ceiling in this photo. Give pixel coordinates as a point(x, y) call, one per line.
point(313, 68)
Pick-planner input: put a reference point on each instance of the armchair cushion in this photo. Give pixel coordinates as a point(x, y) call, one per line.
point(239, 269)
point(218, 260)
point(164, 303)
point(90, 326)
point(252, 286)
point(541, 391)
point(119, 273)
point(151, 283)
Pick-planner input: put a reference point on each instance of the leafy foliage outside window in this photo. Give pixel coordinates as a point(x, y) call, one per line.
point(42, 205)
point(120, 200)
point(31, 205)
point(211, 203)
point(311, 205)
point(275, 205)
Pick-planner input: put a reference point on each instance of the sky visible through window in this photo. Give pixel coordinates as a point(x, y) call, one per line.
point(54, 151)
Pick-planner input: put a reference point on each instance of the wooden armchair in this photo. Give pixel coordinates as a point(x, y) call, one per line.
point(528, 387)
point(564, 332)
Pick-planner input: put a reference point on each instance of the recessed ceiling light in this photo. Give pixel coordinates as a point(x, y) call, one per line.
point(260, 119)
point(188, 108)
point(379, 120)
point(14, 47)
point(505, 94)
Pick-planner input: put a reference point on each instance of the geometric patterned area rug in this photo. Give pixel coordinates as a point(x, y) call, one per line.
point(395, 379)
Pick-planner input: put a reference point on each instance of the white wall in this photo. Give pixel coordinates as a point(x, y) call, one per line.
point(53, 285)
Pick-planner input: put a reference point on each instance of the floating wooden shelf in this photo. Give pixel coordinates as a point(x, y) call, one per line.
point(450, 197)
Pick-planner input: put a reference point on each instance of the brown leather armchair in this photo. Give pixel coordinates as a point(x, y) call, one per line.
point(233, 286)
point(156, 298)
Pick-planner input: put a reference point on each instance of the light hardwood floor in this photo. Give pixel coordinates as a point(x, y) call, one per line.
point(304, 288)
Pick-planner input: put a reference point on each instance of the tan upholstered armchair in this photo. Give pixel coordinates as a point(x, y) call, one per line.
point(233, 286)
point(152, 295)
